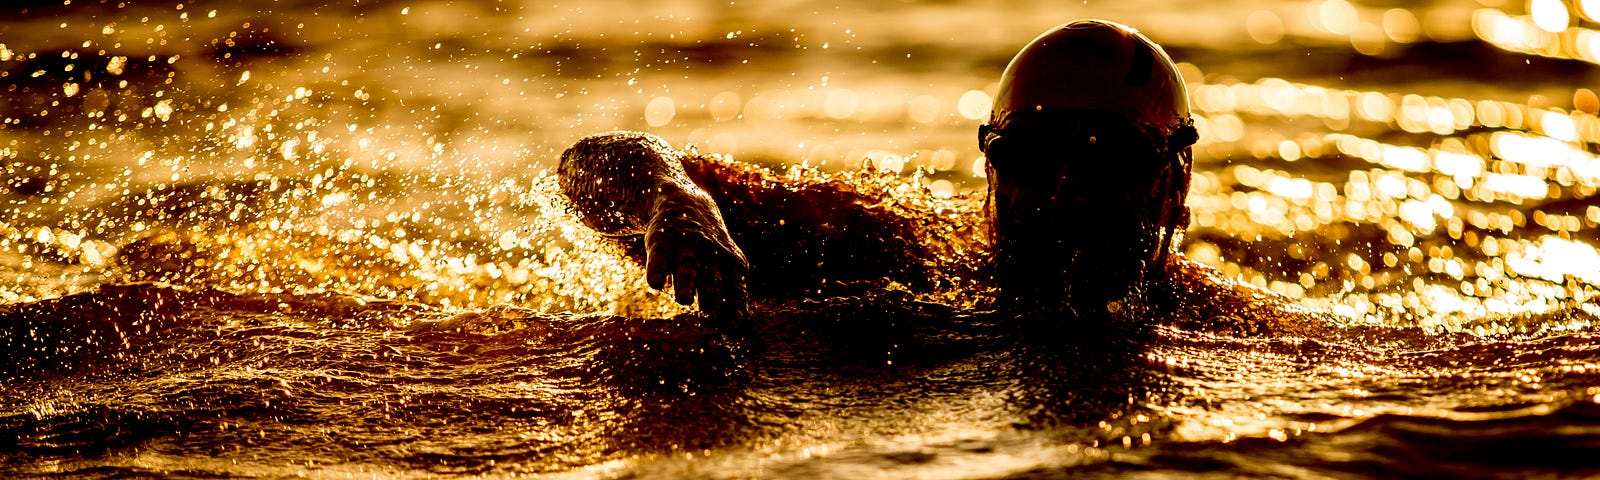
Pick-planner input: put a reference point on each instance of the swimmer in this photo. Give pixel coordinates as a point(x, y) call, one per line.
point(1088, 148)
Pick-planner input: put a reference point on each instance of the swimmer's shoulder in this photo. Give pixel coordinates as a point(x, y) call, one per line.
point(712, 169)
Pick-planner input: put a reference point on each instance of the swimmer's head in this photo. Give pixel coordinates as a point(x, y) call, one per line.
point(1094, 65)
point(1088, 163)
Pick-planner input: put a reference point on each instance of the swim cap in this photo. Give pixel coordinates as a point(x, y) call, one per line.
point(1095, 65)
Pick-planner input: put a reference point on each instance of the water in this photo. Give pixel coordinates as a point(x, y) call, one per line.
point(323, 240)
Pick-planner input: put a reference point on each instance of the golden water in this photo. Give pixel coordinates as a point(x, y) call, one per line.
point(324, 239)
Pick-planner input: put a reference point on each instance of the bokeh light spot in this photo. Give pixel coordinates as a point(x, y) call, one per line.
point(974, 105)
point(1550, 15)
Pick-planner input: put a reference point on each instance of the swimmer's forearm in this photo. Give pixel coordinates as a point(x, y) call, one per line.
point(618, 181)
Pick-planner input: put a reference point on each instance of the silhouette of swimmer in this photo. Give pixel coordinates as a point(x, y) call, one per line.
point(1088, 149)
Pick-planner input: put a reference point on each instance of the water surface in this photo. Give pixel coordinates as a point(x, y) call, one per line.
point(322, 239)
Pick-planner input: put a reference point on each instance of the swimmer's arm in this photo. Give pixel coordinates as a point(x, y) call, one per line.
point(632, 186)
point(803, 238)
point(809, 237)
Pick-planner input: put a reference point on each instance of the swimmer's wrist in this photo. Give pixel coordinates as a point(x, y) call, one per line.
point(680, 194)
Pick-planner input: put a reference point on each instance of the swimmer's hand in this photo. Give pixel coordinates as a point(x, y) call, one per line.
point(686, 239)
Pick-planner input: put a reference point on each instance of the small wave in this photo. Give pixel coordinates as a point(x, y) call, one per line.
point(1559, 439)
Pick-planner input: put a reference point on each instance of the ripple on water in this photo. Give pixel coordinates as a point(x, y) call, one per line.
point(229, 248)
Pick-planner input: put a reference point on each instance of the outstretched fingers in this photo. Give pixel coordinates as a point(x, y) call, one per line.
point(683, 281)
point(660, 260)
point(734, 294)
point(693, 250)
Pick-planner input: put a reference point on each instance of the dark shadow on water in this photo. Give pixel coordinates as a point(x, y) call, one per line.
point(672, 384)
point(1075, 368)
point(1056, 367)
point(613, 387)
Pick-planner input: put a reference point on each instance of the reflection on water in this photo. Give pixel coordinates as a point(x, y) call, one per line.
point(313, 238)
